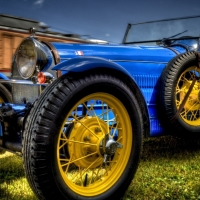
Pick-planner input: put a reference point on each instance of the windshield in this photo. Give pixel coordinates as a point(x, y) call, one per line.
point(157, 30)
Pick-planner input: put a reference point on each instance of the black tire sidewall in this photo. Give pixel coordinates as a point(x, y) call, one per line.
point(125, 96)
point(5, 94)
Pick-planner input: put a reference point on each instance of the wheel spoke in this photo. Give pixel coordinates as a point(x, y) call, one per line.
point(82, 172)
point(85, 143)
point(103, 113)
point(73, 161)
point(88, 109)
point(98, 122)
point(79, 121)
point(63, 144)
point(107, 118)
point(188, 96)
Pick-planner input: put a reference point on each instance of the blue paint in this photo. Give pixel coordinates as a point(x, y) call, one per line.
point(144, 64)
point(115, 52)
point(2, 76)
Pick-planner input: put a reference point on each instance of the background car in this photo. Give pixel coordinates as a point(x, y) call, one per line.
point(78, 112)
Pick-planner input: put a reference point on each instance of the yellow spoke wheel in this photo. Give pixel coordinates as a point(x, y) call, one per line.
point(83, 139)
point(84, 165)
point(190, 112)
point(179, 91)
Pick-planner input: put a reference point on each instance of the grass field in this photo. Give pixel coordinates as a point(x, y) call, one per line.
point(169, 169)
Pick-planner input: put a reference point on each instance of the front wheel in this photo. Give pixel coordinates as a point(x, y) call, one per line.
point(5, 95)
point(83, 139)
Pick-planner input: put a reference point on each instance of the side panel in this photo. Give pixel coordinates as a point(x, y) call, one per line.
point(145, 74)
point(144, 64)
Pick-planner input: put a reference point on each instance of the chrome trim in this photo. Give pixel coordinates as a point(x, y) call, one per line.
point(137, 61)
point(27, 82)
point(132, 61)
point(54, 51)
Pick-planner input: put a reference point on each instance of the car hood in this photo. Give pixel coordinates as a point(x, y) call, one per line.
point(118, 53)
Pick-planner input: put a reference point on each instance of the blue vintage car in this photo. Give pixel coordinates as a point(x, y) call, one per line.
point(78, 112)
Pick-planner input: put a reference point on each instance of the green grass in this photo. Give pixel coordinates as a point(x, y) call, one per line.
point(169, 169)
point(13, 184)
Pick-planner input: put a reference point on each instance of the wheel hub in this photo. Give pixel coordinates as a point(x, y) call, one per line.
point(85, 138)
point(89, 144)
point(108, 147)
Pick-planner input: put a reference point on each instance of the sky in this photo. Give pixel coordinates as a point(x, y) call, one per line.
point(99, 19)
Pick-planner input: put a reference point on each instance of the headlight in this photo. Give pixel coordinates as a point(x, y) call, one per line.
point(26, 59)
point(31, 56)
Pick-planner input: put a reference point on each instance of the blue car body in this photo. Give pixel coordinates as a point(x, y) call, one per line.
point(143, 64)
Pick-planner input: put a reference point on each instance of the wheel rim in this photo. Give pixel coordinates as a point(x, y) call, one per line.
point(191, 110)
point(85, 140)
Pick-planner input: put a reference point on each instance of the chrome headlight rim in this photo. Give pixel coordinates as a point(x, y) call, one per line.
point(20, 56)
point(39, 59)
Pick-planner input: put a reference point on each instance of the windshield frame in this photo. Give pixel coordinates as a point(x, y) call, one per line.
point(158, 41)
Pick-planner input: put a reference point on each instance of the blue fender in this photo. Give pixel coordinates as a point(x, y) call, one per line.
point(81, 64)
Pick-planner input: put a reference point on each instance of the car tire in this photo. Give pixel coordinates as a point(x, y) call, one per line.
point(5, 95)
point(181, 118)
point(73, 151)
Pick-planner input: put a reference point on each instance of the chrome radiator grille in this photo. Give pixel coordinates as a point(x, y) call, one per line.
point(26, 92)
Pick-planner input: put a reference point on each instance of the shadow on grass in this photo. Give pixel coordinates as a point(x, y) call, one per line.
point(3, 193)
point(11, 171)
point(169, 147)
point(11, 168)
point(2, 151)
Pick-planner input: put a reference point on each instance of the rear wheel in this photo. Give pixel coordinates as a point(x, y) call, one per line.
point(83, 139)
point(180, 95)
